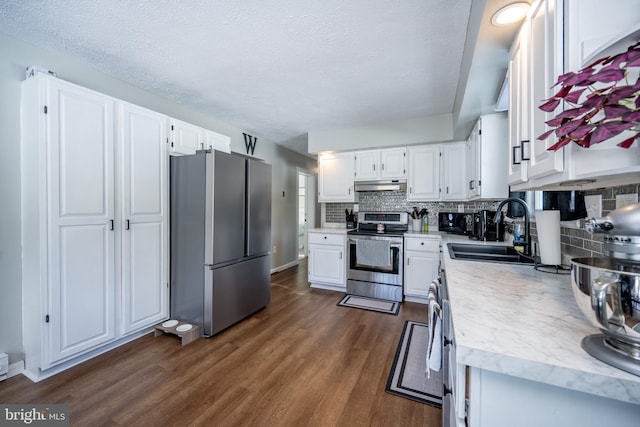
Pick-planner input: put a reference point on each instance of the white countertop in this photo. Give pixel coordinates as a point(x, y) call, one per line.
point(330, 230)
point(514, 320)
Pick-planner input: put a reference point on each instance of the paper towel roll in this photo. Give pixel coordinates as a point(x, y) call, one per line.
point(548, 225)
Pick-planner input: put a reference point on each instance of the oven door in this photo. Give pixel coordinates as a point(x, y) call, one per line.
point(386, 274)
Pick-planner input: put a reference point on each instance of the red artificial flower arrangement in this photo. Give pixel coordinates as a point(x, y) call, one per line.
point(605, 112)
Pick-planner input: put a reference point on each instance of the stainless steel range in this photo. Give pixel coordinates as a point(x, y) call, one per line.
point(375, 255)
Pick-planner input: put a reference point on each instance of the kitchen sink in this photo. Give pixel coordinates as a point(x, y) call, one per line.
point(474, 252)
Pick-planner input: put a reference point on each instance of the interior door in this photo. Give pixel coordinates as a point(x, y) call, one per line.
point(82, 214)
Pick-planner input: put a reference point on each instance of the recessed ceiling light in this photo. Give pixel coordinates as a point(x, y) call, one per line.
point(511, 13)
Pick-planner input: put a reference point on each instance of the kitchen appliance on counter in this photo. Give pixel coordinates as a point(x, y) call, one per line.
point(607, 290)
point(456, 223)
point(485, 227)
point(220, 238)
point(375, 255)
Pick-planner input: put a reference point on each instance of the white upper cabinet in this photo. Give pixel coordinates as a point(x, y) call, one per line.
point(367, 165)
point(423, 172)
point(335, 177)
point(592, 32)
point(591, 28)
point(487, 167)
point(186, 138)
point(519, 109)
point(386, 164)
point(545, 65)
point(559, 37)
point(393, 163)
point(454, 176)
point(218, 141)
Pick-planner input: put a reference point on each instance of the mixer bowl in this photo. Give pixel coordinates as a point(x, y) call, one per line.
point(607, 290)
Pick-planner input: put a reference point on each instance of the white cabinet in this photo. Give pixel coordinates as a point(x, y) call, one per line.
point(557, 37)
point(423, 172)
point(94, 220)
point(218, 141)
point(421, 260)
point(386, 164)
point(335, 177)
point(144, 226)
point(186, 138)
point(68, 228)
point(545, 65)
point(393, 163)
point(590, 28)
point(327, 260)
point(486, 163)
point(454, 173)
point(519, 109)
point(473, 162)
point(367, 165)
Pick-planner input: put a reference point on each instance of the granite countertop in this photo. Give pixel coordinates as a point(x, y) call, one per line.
point(514, 320)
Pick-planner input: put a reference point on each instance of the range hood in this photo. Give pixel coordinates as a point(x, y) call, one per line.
point(385, 185)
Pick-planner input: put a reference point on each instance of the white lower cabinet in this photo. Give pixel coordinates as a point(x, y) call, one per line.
point(421, 260)
point(94, 220)
point(327, 260)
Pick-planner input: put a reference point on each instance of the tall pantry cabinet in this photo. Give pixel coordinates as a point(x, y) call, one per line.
point(94, 220)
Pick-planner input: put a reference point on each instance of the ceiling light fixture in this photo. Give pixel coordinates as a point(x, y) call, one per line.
point(510, 13)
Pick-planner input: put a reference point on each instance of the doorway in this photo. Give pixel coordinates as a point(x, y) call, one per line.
point(306, 209)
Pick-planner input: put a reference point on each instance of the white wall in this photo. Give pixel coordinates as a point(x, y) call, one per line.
point(385, 134)
point(15, 56)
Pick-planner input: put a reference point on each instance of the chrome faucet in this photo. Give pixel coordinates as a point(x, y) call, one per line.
point(527, 221)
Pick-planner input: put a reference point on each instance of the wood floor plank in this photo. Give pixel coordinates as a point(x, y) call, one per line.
point(302, 360)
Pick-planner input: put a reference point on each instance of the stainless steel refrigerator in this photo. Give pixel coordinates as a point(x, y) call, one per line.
point(220, 238)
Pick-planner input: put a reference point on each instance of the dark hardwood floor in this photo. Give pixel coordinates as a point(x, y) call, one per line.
point(301, 361)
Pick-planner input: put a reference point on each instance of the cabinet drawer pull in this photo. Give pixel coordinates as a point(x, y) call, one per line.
point(513, 154)
point(522, 151)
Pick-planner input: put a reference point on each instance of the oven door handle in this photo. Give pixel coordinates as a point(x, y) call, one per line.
point(393, 244)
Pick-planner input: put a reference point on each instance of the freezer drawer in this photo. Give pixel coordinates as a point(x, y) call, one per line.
point(238, 290)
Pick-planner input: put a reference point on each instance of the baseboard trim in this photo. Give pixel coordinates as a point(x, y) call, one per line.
point(335, 288)
point(15, 368)
point(284, 267)
point(39, 375)
point(418, 300)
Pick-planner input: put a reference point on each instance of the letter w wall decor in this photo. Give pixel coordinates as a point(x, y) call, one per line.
point(250, 142)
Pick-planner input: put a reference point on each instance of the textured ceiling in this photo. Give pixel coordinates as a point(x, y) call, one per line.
point(275, 69)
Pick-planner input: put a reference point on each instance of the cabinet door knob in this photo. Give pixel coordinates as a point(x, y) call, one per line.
point(422, 243)
point(324, 237)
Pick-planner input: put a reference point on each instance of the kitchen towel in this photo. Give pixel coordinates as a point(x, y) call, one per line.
point(548, 226)
point(434, 288)
point(375, 253)
point(434, 344)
